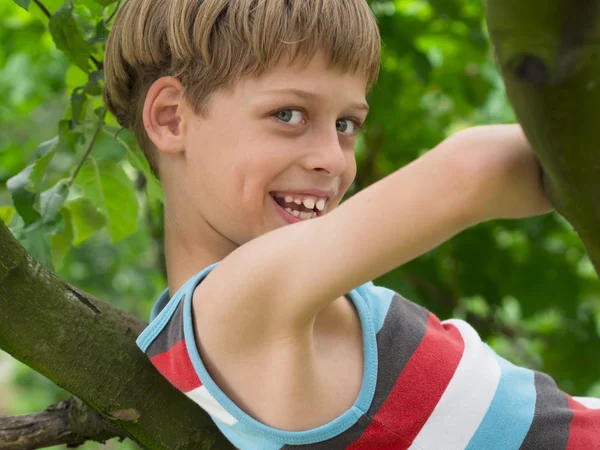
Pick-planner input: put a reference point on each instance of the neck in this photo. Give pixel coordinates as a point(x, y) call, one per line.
point(191, 245)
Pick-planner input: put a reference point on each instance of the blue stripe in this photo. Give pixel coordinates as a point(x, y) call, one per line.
point(160, 304)
point(510, 414)
point(270, 434)
point(378, 300)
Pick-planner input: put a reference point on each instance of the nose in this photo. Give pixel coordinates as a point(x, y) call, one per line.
point(327, 155)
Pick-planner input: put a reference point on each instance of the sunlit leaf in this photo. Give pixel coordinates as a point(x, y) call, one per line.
point(138, 161)
point(45, 152)
point(52, 200)
point(86, 219)
point(78, 103)
point(62, 242)
point(105, 2)
point(6, 214)
point(106, 184)
point(68, 37)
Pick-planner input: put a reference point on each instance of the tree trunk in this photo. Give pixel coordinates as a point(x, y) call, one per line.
point(87, 347)
point(550, 59)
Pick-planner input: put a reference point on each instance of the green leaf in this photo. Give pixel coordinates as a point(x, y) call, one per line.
point(100, 33)
point(45, 153)
point(23, 199)
point(107, 185)
point(6, 214)
point(95, 82)
point(36, 241)
point(37, 236)
point(78, 103)
point(61, 243)
point(68, 37)
point(52, 200)
point(86, 219)
point(105, 2)
point(23, 4)
point(138, 161)
point(68, 135)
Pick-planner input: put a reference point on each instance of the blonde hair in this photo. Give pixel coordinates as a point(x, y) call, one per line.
point(209, 44)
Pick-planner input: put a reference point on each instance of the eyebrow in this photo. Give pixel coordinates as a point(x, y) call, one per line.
point(363, 106)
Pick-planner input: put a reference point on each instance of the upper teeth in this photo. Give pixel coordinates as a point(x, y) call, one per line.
point(308, 202)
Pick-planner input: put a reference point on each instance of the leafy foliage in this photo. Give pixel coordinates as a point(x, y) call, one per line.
point(84, 201)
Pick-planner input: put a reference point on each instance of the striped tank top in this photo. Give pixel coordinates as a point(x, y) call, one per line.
point(427, 385)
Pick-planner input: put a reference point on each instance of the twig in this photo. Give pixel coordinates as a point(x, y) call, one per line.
point(97, 63)
point(114, 13)
point(88, 150)
point(43, 8)
point(70, 422)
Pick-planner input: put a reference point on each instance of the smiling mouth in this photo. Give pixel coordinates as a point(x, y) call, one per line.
point(301, 207)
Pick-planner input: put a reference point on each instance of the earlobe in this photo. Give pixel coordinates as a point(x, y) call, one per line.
point(162, 114)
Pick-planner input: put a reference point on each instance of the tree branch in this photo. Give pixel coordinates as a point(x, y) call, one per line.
point(62, 324)
point(70, 422)
point(550, 67)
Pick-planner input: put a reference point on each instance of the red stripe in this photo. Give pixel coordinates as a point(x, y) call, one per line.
point(420, 385)
point(584, 432)
point(176, 366)
point(378, 437)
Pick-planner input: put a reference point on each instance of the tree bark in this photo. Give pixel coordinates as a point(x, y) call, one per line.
point(549, 56)
point(70, 422)
point(87, 347)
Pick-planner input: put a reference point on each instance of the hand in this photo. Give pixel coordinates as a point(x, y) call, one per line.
point(505, 170)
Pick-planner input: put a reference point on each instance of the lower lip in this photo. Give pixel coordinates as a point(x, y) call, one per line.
point(289, 218)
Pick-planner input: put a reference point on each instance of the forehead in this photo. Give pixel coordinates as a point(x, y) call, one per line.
point(308, 78)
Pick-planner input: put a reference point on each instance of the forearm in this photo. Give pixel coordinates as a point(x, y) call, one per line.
point(297, 270)
point(399, 218)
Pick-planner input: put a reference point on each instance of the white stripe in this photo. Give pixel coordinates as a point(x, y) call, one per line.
point(466, 399)
point(201, 396)
point(589, 402)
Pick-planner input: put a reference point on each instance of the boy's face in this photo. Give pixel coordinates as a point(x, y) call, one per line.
point(268, 143)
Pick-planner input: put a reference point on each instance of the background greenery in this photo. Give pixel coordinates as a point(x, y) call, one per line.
point(95, 218)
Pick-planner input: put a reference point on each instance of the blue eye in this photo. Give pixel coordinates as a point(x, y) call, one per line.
point(291, 116)
point(346, 126)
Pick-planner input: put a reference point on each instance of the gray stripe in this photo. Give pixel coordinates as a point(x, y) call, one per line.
point(552, 419)
point(339, 442)
point(171, 334)
point(403, 329)
point(402, 332)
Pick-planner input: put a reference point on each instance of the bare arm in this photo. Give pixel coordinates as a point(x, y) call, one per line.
point(281, 279)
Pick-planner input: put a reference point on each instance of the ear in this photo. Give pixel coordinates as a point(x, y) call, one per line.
point(162, 114)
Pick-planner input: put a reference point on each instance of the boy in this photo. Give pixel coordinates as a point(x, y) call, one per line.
point(248, 111)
